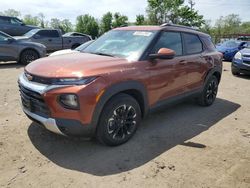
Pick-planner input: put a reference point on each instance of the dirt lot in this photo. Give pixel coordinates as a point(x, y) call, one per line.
point(181, 146)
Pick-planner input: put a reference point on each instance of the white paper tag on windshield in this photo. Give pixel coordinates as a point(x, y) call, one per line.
point(142, 33)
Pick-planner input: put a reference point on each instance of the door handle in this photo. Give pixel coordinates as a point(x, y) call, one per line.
point(50, 40)
point(183, 62)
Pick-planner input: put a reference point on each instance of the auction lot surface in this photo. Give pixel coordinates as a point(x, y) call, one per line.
point(181, 146)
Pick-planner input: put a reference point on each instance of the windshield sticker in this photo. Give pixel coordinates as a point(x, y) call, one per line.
point(142, 33)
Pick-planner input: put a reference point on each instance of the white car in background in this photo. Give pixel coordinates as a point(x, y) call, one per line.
point(70, 51)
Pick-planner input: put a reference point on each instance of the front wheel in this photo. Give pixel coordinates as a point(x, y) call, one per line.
point(28, 56)
point(209, 92)
point(119, 120)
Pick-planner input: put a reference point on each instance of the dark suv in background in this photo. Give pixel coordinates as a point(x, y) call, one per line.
point(14, 26)
point(107, 89)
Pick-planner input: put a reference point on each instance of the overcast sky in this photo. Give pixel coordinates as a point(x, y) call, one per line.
point(65, 9)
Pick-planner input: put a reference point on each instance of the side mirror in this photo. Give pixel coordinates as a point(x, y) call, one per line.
point(163, 53)
point(22, 24)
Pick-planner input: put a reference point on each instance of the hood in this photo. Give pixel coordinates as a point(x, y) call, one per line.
point(21, 38)
point(245, 51)
point(76, 65)
point(62, 52)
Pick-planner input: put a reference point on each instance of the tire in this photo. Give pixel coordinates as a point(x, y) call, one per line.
point(235, 71)
point(209, 92)
point(119, 120)
point(28, 56)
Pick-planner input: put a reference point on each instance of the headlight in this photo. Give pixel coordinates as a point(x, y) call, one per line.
point(73, 81)
point(69, 101)
point(238, 56)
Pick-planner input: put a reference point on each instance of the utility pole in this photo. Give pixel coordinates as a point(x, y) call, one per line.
point(192, 3)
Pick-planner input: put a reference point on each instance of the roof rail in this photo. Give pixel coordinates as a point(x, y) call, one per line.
point(181, 26)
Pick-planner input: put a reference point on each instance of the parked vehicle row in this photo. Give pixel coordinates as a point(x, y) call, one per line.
point(53, 39)
point(14, 26)
point(28, 43)
point(241, 61)
point(230, 48)
point(105, 90)
point(21, 51)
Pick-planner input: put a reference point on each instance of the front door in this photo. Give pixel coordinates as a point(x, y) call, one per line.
point(168, 76)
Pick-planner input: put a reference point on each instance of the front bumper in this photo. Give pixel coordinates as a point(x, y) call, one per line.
point(49, 123)
point(241, 66)
point(65, 127)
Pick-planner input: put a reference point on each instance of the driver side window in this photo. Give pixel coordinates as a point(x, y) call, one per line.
point(171, 40)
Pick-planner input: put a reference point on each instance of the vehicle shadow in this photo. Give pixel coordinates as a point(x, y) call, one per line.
point(158, 133)
point(10, 65)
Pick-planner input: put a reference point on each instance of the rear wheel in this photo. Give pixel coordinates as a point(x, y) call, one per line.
point(209, 93)
point(28, 56)
point(119, 120)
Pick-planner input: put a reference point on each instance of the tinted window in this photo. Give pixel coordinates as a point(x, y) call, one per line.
point(48, 33)
point(192, 43)
point(209, 43)
point(15, 21)
point(171, 40)
point(4, 20)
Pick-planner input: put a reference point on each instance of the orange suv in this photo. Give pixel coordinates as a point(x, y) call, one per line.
point(107, 89)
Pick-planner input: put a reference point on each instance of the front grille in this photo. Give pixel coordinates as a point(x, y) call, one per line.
point(247, 62)
point(33, 102)
point(246, 55)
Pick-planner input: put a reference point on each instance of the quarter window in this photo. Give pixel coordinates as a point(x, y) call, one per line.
point(171, 40)
point(192, 43)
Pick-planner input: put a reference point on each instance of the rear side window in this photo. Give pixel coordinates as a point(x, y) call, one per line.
point(209, 43)
point(171, 40)
point(48, 34)
point(193, 43)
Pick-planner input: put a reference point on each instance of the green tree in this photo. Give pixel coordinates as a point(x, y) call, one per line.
point(140, 20)
point(175, 11)
point(31, 20)
point(55, 23)
point(119, 20)
point(66, 26)
point(11, 12)
point(106, 22)
point(88, 25)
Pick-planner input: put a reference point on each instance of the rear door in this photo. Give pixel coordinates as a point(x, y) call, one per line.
point(194, 59)
point(50, 38)
point(168, 76)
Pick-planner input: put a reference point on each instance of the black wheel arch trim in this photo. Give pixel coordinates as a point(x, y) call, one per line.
point(216, 69)
point(116, 89)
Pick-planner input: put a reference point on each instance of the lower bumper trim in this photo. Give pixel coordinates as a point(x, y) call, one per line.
point(50, 124)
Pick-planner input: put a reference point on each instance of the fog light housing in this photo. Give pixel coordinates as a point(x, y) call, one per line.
point(69, 101)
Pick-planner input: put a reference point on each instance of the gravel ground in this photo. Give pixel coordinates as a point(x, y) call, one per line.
point(180, 146)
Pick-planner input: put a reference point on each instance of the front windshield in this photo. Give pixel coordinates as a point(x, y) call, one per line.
point(83, 46)
point(122, 43)
point(230, 44)
point(31, 33)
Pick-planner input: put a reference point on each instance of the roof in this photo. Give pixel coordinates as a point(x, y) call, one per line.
point(172, 27)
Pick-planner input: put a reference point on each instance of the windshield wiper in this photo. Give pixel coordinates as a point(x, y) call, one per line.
point(104, 54)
